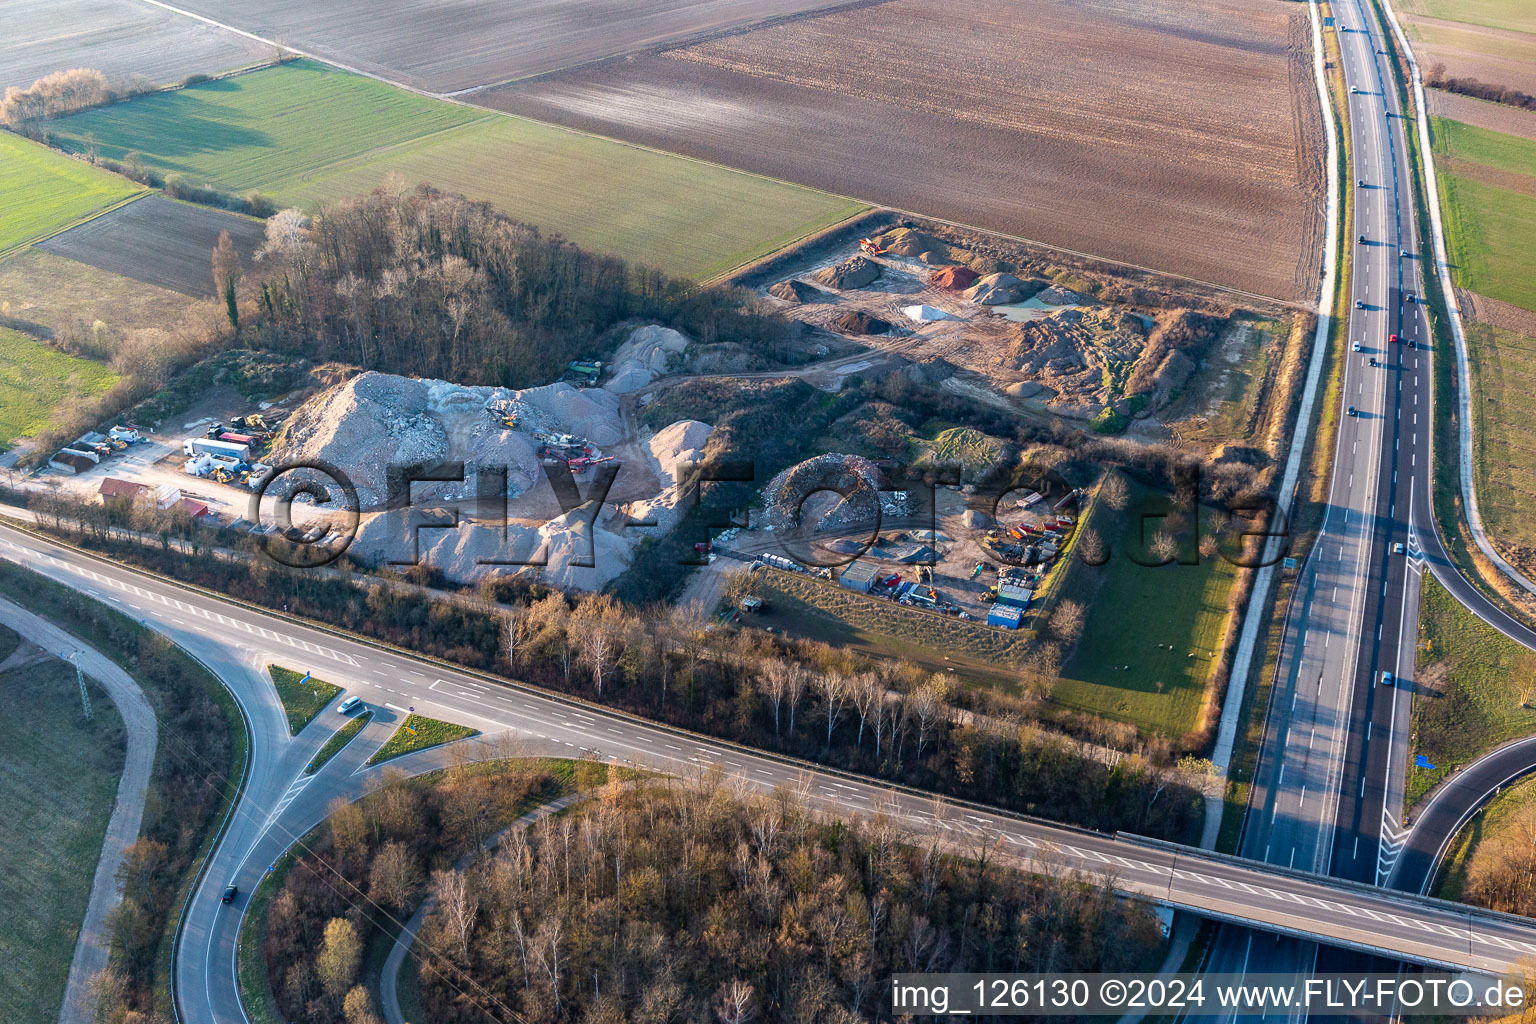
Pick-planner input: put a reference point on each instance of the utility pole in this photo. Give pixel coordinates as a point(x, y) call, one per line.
point(85, 695)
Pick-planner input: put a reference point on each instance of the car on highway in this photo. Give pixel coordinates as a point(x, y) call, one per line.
point(1373, 360)
point(1398, 549)
point(1360, 183)
point(230, 892)
point(1392, 338)
point(1362, 239)
point(1354, 90)
point(1356, 346)
point(1403, 253)
point(1359, 304)
point(349, 705)
point(1386, 679)
point(1352, 412)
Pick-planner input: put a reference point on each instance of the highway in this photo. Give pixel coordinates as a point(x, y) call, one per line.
point(280, 802)
point(1329, 787)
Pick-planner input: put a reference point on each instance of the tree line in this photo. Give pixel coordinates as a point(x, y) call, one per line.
point(676, 665)
point(1468, 86)
point(416, 281)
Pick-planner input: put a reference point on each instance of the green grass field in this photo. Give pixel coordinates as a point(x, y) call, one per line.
point(1151, 619)
point(36, 379)
point(1489, 226)
point(306, 133)
point(339, 739)
point(58, 777)
point(1473, 690)
point(302, 701)
point(1514, 15)
point(418, 732)
point(44, 192)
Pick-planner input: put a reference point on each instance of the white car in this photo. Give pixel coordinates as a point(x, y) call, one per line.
point(1357, 346)
point(349, 705)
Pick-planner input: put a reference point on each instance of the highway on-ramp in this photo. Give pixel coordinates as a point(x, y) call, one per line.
point(238, 641)
point(1328, 792)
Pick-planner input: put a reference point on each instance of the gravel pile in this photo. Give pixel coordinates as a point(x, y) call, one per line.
point(854, 272)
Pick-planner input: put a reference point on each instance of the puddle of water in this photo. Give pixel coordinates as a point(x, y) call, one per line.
point(1030, 309)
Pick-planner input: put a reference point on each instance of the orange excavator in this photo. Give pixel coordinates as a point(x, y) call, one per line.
point(870, 247)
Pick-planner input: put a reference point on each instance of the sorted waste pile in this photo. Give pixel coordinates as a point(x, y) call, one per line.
point(854, 272)
point(792, 290)
point(788, 497)
point(858, 322)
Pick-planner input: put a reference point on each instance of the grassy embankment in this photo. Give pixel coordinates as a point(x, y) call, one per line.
point(1486, 827)
point(301, 701)
point(1474, 689)
point(339, 739)
point(36, 379)
point(418, 732)
point(880, 628)
point(46, 192)
point(58, 778)
point(305, 132)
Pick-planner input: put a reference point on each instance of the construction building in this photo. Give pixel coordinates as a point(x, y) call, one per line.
point(860, 576)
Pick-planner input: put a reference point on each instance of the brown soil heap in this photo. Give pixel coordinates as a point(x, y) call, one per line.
point(862, 323)
point(797, 291)
point(854, 272)
point(953, 279)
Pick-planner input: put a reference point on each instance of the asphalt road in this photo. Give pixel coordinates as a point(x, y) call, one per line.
point(1329, 788)
point(280, 802)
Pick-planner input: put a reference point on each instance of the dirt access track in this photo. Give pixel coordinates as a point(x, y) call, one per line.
point(1181, 135)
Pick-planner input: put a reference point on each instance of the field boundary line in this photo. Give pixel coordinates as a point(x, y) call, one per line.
point(454, 97)
point(6, 254)
point(1472, 513)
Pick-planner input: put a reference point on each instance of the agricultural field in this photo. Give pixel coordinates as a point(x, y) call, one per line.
point(42, 294)
point(306, 133)
point(1504, 375)
point(57, 796)
point(159, 242)
point(120, 38)
point(1493, 41)
point(961, 113)
point(1153, 635)
point(36, 379)
point(1488, 197)
point(45, 191)
point(451, 47)
point(1474, 688)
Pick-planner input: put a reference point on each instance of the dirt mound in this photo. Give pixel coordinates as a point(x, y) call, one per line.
point(953, 279)
point(996, 289)
point(862, 323)
point(650, 352)
point(854, 272)
point(910, 243)
point(680, 445)
point(797, 291)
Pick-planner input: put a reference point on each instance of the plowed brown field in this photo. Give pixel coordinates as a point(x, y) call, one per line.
point(448, 45)
point(1182, 135)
